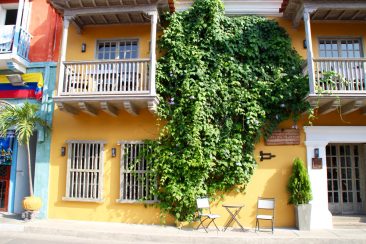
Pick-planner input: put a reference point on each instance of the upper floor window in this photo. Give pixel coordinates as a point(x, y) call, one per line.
point(84, 180)
point(117, 49)
point(8, 14)
point(340, 48)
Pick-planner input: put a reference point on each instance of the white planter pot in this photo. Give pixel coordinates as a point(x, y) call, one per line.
point(303, 216)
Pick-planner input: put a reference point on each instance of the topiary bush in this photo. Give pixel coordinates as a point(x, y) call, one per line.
point(222, 83)
point(299, 184)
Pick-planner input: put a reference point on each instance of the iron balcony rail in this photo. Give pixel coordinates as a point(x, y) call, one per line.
point(340, 75)
point(9, 39)
point(106, 77)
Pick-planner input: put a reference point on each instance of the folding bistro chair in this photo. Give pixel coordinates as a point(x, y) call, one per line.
point(265, 211)
point(204, 213)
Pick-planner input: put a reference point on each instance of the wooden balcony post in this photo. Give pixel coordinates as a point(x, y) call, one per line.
point(309, 45)
point(18, 24)
point(154, 20)
point(63, 54)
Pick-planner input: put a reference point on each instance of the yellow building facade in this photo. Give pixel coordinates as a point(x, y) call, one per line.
point(109, 116)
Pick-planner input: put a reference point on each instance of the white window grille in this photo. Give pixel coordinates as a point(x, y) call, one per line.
point(84, 180)
point(117, 49)
point(136, 179)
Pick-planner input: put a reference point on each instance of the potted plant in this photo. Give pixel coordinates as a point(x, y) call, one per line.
point(24, 120)
point(300, 194)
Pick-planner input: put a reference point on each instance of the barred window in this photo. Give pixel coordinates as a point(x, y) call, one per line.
point(136, 179)
point(84, 180)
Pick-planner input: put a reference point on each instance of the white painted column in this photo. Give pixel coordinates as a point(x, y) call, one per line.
point(154, 22)
point(18, 23)
point(25, 16)
point(309, 49)
point(66, 24)
point(321, 218)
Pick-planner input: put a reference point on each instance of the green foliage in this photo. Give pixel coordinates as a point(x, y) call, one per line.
point(299, 184)
point(24, 119)
point(222, 83)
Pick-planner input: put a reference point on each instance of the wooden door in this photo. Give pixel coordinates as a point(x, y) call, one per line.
point(344, 167)
point(4, 186)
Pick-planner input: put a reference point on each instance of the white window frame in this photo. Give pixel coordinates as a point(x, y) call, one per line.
point(117, 47)
point(80, 176)
point(338, 41)
point(3, 8)
point(135, 176)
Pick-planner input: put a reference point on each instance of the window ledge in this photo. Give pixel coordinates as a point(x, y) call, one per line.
point(73, 199)
point(136, 201)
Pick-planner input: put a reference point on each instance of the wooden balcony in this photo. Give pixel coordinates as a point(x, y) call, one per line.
point(14, 49)
point(339, 83)
point(108, 85)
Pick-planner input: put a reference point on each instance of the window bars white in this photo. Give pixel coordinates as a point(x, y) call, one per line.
point(84, 181)
point(136, 179)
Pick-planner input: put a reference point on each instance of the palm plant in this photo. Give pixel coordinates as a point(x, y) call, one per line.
point(24, 120)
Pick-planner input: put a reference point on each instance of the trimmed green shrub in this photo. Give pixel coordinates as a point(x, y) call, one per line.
point(299, 184)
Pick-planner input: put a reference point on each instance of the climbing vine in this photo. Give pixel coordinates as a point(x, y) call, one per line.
point(222, 83)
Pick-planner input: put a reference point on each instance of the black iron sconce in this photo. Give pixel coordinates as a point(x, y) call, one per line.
point(114, 152)
point(265, 156)
point(304, 44)
point(83, 47)
point(63, 151)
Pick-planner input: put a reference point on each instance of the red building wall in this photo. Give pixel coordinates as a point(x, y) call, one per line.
point(46, 29)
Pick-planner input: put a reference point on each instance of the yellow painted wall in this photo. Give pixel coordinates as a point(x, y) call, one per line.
point(270, 177)
point(110, 129)
point(90, 35)
point(322, 30)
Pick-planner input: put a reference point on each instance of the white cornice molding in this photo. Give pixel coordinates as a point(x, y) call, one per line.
point(240, 7)
point(334, 134)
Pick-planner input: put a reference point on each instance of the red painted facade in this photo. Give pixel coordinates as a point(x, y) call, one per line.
point(46, 29)
point(45, 26)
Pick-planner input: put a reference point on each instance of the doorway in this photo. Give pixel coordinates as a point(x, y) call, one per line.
point(4, 187)
point(346, 181)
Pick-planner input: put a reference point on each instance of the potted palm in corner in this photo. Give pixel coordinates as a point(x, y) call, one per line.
point(300, 194)
point(24, 120)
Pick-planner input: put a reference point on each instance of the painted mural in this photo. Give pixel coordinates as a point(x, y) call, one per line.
point(6, 149)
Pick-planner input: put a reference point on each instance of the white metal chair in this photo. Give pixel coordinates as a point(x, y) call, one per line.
point(265, 211)
point(204, 213)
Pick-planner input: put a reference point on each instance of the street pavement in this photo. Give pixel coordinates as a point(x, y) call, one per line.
point(67, 231)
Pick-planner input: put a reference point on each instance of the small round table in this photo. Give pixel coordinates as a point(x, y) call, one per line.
point(233, 210)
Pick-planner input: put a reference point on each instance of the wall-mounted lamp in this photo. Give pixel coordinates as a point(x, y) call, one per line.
point(114, 152)
point(316, 152)
point(83, 47)
point(63, 151)
point(304, 44)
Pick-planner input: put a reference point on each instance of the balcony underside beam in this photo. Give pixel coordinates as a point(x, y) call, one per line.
point(327, 6)
point(109, 109)
point(110, 10)
point(351, 107)
point(112, 106)
point(329, 107)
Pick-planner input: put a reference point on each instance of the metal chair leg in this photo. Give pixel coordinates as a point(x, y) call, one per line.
point(217, 228)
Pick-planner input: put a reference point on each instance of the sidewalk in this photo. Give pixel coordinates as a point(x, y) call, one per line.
point(169, 234)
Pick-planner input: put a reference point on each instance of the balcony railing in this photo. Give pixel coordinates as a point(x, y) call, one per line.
point(9, 39)
point(340, 75)
point(106, 77)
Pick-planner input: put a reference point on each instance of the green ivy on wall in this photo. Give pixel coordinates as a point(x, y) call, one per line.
point(222, 83)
